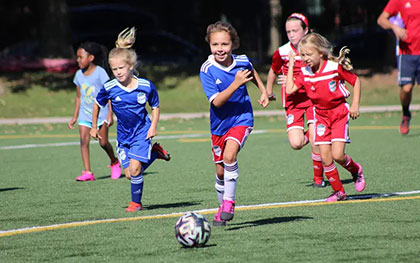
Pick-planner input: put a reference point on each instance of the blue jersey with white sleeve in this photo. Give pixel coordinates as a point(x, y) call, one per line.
point(89, 87)
point(215, 78)
point(129, 106)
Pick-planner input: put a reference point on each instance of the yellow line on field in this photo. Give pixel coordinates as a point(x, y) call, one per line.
point(207, 211)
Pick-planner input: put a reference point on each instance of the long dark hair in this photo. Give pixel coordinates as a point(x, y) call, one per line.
point(100, 52)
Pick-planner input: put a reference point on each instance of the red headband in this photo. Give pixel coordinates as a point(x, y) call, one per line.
point(300, 17)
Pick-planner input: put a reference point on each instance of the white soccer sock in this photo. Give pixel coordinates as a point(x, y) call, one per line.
point(231, 176)
point(220, 189)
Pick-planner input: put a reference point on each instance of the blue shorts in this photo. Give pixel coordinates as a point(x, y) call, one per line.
point(408, 69)
point(140, 151)
point(89, 123)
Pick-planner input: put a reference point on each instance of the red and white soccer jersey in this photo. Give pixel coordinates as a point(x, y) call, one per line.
point(326, 88)
point(280, 65)
point(410, 14)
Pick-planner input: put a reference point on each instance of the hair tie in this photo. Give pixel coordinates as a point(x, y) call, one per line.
point(300, 17)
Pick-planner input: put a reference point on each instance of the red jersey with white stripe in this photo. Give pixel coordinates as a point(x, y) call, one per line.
point(326, 88)
point(280, 65)
point(410, 14)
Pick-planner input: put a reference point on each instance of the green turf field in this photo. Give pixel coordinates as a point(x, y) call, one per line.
point(279, 218)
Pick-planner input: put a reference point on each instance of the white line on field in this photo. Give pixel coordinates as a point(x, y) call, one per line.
point(359, 198)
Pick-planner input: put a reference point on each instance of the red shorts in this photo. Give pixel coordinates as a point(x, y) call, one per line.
point(238, 133)
point(332, 125)
point(295, 117)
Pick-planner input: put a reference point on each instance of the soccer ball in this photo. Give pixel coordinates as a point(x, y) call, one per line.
point(192, 230)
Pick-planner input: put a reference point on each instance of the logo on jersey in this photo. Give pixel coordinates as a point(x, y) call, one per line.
point(217, 151)
point(121, 154)
point(218, 81)
point(118, 98)
point(141, 98)
point(312, 88)
point(320, 130)
point(332, 86)
point(290, 118)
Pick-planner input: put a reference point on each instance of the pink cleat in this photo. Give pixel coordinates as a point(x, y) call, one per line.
point(217, 221)
point(86, 176)
point(228, 208)
point(115, 170)
point(162, 153)
point(134, 207)
point(337, 196)
point(359, 179)
point(405, 125)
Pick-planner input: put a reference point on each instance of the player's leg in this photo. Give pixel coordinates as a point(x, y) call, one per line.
point(331, 173)
point(137, 181)
point(296, 138)
point(318, 178)
point(234, 141)
point(295, 128)
point(107, 147)
point(84, 132)
point(220, 190)
point(230, 178)
point(406, 76)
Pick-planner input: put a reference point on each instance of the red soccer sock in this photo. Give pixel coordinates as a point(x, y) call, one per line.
point(332, 174)
point(318, 169)
point(350, 165)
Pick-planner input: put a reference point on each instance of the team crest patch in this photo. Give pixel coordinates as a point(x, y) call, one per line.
point(217, 151)
point(290, 118)
point(122, 155)
point(141, 98)
point(320, 130)
point(332, 86)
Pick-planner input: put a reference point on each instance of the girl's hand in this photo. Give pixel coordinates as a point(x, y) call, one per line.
point(243, 76)
point(110, 121)
point(354, 112)
point(151, 133)
point(71, 123)
point(281, 79)
point(95, 134)
point(264, 100)
point(291, 57)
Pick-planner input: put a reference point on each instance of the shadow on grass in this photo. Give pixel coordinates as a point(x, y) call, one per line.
point(122, 176)
point(171, 205)
point(10, 189)
point(267, 221)
point(205, 246)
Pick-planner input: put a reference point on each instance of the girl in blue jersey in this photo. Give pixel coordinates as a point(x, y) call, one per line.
point(223, 77)
point(89, 79)
point(129, 96)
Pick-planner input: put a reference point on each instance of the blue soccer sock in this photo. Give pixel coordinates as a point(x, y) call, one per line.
point(153, 157)
point(136, 188)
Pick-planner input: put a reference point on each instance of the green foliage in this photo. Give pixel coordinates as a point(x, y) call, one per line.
point(38, 188)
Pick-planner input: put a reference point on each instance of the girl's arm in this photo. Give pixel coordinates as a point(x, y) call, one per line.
point(271, 77)
point(263, 101)
point(290, 84)
point(109, 117)
point(94, 131)
point(73, 120)
point(241, 77)
point(155, 119)
point(354, 108)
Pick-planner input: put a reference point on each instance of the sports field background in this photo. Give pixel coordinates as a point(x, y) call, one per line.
point(38, 189)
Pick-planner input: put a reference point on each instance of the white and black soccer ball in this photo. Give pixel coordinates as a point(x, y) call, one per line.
point(192, 230)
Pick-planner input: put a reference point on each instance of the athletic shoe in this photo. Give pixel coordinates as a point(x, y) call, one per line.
point(115, 170)
point(133, 207)
point(405, 125)
point(162, 154)
point(337, 196)
point(359, 179)
point(228, 208)
point(318, 184)
point(86, 176)
point(217, 221)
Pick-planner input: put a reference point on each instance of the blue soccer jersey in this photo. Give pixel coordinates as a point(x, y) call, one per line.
point(215, 78)
point(129, 106)
point(89, 88)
